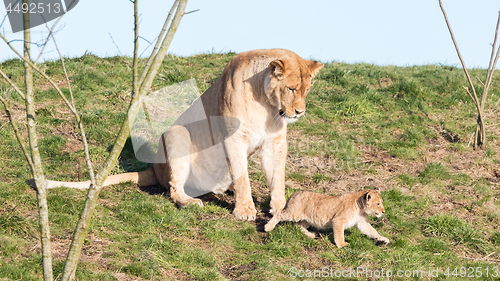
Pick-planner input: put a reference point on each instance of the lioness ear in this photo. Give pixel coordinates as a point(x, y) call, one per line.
point(314, 67)
point(277, 68)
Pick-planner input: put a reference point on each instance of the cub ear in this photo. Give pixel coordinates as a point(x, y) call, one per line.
point(277, 68)
point(368, 196)
point(314, 67)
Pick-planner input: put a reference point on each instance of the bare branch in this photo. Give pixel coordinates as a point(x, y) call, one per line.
point(458, 51)
point(480, 129)
point(38, 173)
point(491, 66)
point(48, 36)
point(77, 117)
point(158, 42)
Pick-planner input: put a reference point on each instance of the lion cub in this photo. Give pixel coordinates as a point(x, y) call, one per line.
point(326, 211)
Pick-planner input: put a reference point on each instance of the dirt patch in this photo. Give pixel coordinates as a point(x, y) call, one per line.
point(46, 85)
point(92, 252)
point(173, 274)
point(237, 272)
point(385, 82)
point(125, 277)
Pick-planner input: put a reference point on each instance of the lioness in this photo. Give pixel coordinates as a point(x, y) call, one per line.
point(264, 90)
point(326, 211)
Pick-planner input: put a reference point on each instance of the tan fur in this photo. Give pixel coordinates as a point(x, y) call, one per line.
point(264, 90)
point(338, 212)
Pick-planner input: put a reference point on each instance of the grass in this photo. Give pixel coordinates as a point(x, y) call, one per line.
point(404, 130)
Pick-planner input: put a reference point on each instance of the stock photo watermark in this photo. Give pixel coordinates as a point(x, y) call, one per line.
point(39, 11)
point(365, 272)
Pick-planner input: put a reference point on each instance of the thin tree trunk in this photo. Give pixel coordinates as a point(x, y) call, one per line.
point(38, 173)
point(480, 129)
point(93, 193)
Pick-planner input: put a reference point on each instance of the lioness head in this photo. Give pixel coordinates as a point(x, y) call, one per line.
point(373, 203)
point(288, 84)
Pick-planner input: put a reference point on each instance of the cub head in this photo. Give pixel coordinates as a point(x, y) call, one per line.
point(288, 84)
point(372, 203)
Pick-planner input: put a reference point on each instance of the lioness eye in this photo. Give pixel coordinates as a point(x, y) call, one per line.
point(291, 90)
point(378, 204)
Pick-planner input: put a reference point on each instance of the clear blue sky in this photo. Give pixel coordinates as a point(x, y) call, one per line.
point(387, 32)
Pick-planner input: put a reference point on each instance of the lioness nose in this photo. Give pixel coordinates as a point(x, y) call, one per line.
point(298, 112)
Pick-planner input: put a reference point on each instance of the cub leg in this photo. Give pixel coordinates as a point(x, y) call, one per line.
point(368, 230)
point(176, 142)
point(244, 208)
point(338, 233)
point(273, 222)
point(303, 227)
point(273, 155)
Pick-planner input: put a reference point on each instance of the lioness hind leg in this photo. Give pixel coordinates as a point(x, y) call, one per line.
point(176, 143)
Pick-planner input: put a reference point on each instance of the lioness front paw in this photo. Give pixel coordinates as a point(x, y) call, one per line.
point(383, 240)
point(276, 206)
point(245, 212)
point(191, 201)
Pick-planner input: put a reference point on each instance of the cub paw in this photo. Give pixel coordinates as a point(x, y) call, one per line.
point(383, 240)
point(311, 235)
point(245, 212)
point(268, 227)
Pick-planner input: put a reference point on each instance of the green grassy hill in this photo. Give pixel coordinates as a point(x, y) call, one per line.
point(405, 130)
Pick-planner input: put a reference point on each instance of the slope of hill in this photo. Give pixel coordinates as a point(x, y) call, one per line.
point(405, 130)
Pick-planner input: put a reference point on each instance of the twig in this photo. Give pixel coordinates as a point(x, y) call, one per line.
point(491, 125)
point(483, 258)
point(474, 98)
point(470, 140)
point(479, 80)
point(110, 36)
point(48, 36)
point(327, 244)
point(44, 76)
point(12, 84)
point(16, 132)
point(77, 116)
point(192, 11)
